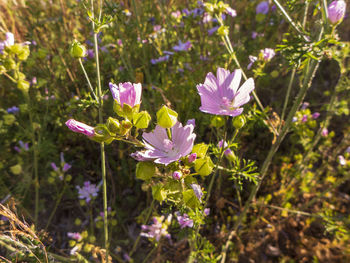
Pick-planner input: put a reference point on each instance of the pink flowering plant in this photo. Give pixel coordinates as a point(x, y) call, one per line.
point(192, 131)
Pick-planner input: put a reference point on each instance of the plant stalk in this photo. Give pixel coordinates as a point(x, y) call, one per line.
point(312, 67)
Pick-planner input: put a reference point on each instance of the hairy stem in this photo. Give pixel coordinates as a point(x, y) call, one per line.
point(310, 73)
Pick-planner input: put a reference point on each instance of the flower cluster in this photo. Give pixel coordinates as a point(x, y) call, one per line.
point(158, 229)
point(88, 191)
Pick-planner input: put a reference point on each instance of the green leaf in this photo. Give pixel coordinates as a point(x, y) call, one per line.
point(190, 199)
point(204, 166)
point(158, 192)
point(200, 149)
point(145, 170)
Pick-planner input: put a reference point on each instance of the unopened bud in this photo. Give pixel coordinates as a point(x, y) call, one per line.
point(177, 175)
point(77, 50)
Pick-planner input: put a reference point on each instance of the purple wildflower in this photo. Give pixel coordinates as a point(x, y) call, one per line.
point(128, 93)
point(336, 11)
point(54, 167)
point(347, 149)
point(160, 59)
point(182, 46)
point(262, 8)
point(197, 191)
point(24, 146)
point(295, 119)
point(207, 211)
point(231, 12)
point(80, 127)
point(252, 60)
point(165, 150)
point(315, 115)
point(184, 220)
point(221, 95)
point(213, 30)
point(88, 191)
point(157, 229)
point(74, 235)
point(224, 145)
point(267, 54)
point(305, 105)
point(13, 110)
point(66, 167)
point(207, 18)
point(304, 118)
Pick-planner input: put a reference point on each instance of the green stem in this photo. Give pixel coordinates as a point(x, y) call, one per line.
point(102, 146)
point(88, 80)
point(290, 21)
point(144, 222)
point(149, 255)
point(290, 84)
point(144, 56)
point(312, 67)
point(56, 205)
point(231, 51)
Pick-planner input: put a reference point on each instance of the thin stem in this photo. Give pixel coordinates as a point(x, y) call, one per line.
point(144, 222)
point(290, 84)
point(102, 146)
point(56, 205)
point(231, 51)
point(149, 255)
point(290, 21)
point(311, 70)
point(88, 80)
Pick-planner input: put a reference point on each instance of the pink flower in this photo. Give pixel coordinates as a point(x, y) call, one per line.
point(128, 93)
point(197, 191)
point(231, 12)
point(341, 160)
point(157, 229)
point(324, 132)
point(177, 175)
point(267, 54)
point(182, 46)
point(315, 115)
point(336, 11)
point(80, 127)
point(165, 150)
point(74, 235)
point(252, 60)
point(304, 118)
point(184, 220)
point(220, 95)
point(192, 157)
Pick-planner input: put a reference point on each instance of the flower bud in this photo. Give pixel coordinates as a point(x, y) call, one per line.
point(166, 118)
point(113, 125)
point(126, 125)
point(177, 175)
point(80, 127)
point(238, 122)
point(23, 85)
point(77, 50)
point(192, 157)
point(336, 11)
